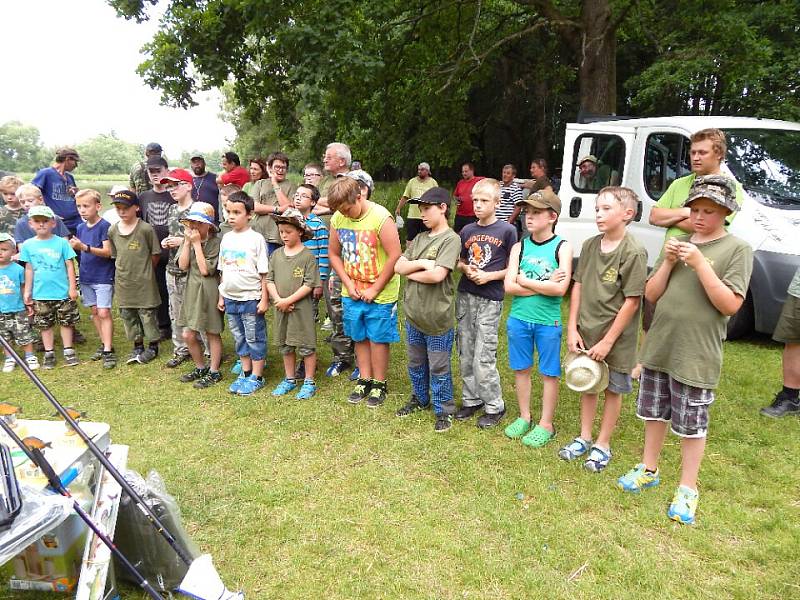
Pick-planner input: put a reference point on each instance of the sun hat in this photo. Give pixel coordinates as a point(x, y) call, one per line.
point(201, 212)
point(292, 216)
point(583, 374)
point(543, 199)
point(717, 188)
point(41, 211)
point(177, 176)
point(126, 197)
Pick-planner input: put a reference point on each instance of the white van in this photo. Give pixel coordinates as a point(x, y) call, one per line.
point(647, 155)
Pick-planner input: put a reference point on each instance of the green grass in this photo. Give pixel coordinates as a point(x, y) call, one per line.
point(321, 498)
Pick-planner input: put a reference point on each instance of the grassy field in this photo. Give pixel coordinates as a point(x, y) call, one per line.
point(308, 499)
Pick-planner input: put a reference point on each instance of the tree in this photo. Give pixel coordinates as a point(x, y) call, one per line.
point(106, 153)
point(20, 148)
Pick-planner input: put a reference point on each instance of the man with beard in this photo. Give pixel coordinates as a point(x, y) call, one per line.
point(414, 190)
point(58, 187)
point(204, 185)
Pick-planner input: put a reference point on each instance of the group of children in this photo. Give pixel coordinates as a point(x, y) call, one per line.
point(699, 280)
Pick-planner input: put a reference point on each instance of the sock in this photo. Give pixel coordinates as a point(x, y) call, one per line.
point(68, 351)
point(311, 381)
point(651, 471)
point(51, 351)
point(247, 373)
point(791, 393)
point(260, 378)
point(291, 380)
point(379, 384)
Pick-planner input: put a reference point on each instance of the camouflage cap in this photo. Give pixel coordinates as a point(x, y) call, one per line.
point(717, 188)
point(292, 216)
point(543, 199)
point(41, 211)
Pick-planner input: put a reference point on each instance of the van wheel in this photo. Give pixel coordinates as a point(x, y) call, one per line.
point(743, 322)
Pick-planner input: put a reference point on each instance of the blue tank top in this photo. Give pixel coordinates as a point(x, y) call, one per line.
point(538, 261)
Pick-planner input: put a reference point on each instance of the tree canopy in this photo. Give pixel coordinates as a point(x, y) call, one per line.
point(490, 80)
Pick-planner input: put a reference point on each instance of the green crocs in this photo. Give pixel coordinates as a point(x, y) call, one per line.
point(538, 437)
point(518, 428)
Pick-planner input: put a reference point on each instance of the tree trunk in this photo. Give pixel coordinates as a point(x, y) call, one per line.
point(597, 67)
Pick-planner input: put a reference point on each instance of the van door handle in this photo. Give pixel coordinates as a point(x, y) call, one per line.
point(575, 206)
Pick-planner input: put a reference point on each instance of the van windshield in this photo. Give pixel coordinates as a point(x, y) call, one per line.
point(767, 164)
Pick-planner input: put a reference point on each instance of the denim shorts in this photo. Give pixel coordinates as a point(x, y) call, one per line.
point(100, 295)
point(370, 321)
point(249, 329)
point(524, 338)
point(685, 407)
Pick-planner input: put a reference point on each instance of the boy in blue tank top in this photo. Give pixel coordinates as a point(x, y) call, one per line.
point(538, 276)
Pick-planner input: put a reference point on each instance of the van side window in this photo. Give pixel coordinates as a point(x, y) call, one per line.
point(599, 160)
point(666, 158)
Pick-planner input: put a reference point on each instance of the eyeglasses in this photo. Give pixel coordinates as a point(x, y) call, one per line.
point(299, 195)
point(312, 174)
point(275, 167)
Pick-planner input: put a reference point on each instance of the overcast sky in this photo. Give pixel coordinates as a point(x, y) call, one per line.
point(69, 68)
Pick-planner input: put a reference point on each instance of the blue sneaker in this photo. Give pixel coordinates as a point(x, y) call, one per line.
point(236, 369)
point(308, 389)
point(237, 384)
point(684, 505)
point(638, 479)
point(336, 368)
point(250, 385)
point(284, 387)
point(355, 374)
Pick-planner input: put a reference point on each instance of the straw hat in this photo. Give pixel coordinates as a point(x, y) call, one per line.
point(585, 375)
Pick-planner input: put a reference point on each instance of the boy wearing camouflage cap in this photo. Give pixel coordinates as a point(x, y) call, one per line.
point(699, 282)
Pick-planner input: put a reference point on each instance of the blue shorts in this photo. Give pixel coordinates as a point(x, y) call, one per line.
point(524, 338)
point(370, 321)
point(100, 295)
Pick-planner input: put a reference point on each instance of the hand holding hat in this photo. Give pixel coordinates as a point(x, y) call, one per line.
point(583, 374)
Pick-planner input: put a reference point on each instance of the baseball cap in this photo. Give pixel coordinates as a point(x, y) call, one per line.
point(116, 188)
point(41, 211)
point(361, 176)
point(294, 217)
point(153, 147)
point(543, 199)
point(435, 195)
point(590, 157)
point(7, 237)
point(126, 197)
point(68, 153)
point(424, 165)
point(197, 157)
point(156, 162)
point(201, 212)
point(178, 176)
point(717, 188)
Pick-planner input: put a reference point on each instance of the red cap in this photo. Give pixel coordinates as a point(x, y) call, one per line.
point(178, 175)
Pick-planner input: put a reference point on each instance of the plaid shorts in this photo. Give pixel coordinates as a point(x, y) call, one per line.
point(662, 398)
point(47, 312)
point(17, 327)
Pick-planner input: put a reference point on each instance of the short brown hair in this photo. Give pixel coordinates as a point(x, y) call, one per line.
point(343, 191)
point(625, 196)
point(717, 138)
point(9, 184)
point(89, 193)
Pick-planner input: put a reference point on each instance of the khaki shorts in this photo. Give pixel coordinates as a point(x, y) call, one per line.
point(788, 328)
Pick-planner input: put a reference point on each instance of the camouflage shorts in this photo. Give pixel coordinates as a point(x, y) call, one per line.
point(17, 327)
point(46, 313)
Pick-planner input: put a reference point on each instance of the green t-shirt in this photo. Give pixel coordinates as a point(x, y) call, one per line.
point(676, 195)
point(264, 194)
point(606, 280)
point(794, 286)
point(135, 279)
point(429, 306)
point(538, 261)
point(289, 273)
point(199, 310)
point(414, 189)
point(685, 339)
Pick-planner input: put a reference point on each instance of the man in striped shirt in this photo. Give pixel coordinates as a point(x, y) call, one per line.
point(510, 194)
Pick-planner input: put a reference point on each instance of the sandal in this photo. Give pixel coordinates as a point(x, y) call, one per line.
point(518, 428)
point(538, 437)
point(598, 459)
point(576, 448)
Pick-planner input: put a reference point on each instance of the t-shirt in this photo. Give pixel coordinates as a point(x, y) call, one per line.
point(175, 228)
point(676, 195)
point(242, 261)
point(95, 269)
point(414, 189)
point(538, 261)
point(607, 279)
point(49, 261)
point(685, 339)
point(238, 175)
point(199, 311)
point(205, 189)
point(264, 194)
point(486, 247)
point(463, 193)
point(289, 273)
point(55, 189)
point(135, 280)
point(794, 285)
point(429, 306)
point(9, 218)
point(23, 231)
point(319, 244)
point(509, 195)
point(155, 210)
point(12, 282)
point(363, 255)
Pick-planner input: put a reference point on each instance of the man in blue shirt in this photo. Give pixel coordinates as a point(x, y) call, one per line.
point(58, 187)
point(204, 185)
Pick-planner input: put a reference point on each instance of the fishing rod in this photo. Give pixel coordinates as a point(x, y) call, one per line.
point(37, 458)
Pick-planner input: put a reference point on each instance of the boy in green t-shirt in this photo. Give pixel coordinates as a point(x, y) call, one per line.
point(293, 275)
point(428, 263)
point(700, 280)
point(136, 250)
point(603, 317)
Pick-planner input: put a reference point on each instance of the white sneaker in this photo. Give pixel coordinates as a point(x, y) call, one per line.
point(32, 361)
point(9, 365)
